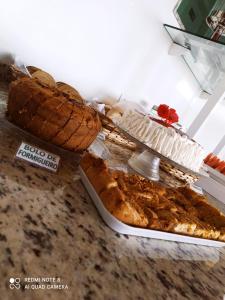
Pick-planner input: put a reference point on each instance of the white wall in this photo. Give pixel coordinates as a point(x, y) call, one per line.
point(102, 47)
point(213, 129)
point(222, 154)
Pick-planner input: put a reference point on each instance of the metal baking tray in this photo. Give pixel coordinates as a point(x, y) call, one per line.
point(123, 228)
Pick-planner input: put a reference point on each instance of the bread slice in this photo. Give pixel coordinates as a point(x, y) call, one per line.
point(70, 91)
point(94, 127)
point(72, 124)
point(85, 133)
point(44, 77)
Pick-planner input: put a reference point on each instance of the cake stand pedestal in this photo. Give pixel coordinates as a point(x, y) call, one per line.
point(146, 164)
point(147, 161)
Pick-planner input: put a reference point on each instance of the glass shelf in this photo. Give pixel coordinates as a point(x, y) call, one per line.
point(206, 58)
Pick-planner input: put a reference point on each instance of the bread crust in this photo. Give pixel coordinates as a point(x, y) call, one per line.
point(70, 91)
point(50, 114)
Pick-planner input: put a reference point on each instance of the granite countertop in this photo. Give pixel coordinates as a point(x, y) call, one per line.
point(49, 228)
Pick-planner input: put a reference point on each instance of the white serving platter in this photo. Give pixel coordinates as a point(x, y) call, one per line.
point(212, 187)
point(216, 175)
point(120, 227)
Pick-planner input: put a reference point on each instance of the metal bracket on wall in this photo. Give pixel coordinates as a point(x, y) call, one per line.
point(178, 50)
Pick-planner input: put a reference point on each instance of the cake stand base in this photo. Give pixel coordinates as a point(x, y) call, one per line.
point(146, 164)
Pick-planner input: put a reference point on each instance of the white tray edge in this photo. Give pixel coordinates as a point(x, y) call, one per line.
point(120, 227)
point(216, 175)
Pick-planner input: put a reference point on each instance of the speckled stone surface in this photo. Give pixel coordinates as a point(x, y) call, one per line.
point(49, 227)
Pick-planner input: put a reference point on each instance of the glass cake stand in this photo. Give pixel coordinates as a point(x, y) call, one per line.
point(146, 161)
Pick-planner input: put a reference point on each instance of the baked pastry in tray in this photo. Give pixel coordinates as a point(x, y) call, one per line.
point(51, 115)
point(137, 201)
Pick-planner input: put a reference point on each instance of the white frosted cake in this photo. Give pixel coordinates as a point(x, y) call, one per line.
point(164, 140)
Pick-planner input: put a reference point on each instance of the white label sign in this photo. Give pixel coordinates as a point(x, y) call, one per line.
point(38, 157)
